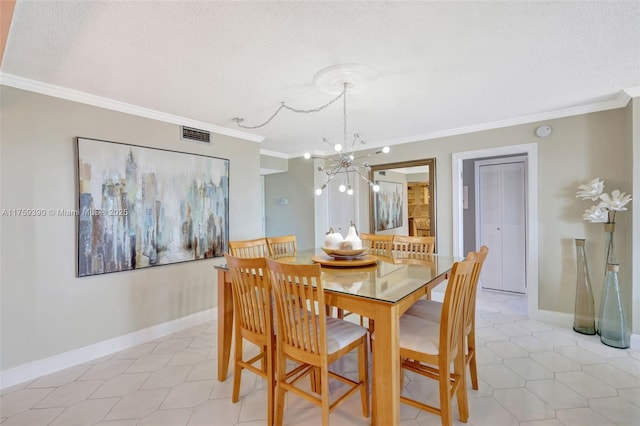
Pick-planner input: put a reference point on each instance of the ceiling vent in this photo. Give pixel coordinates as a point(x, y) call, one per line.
point(195, 135)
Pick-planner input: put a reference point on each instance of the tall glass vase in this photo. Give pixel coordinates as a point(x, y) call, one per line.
point(610, 258)
point(584, 320)
point(613, 326)
point(609, 229)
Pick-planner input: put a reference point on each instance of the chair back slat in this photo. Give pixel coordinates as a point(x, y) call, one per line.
point(251, 293)
point(249, 248)
point(377, 244)
point(282, 246)
point(405, 245)
point(299, 301)
point(451, 321)
point(470, 309)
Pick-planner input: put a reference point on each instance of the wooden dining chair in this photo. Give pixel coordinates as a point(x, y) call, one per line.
point(432, 310)
point(406, 246)
point(252, 305)
point(377, 244)
point(309, 338)
point(249, 248)
point(429, 348)
point(282, 246)
point(421, 226)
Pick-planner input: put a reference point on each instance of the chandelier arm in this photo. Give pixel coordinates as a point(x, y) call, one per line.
point(282, 106)
point(363, 177)
point(335, 169)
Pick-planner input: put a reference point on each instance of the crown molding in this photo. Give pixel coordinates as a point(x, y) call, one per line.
point(633, 92)
point(619, 102)
point(275, 154)
point(111, 104)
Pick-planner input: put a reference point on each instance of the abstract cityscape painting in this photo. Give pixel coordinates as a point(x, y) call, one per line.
point(389, 201)
point(140, 207)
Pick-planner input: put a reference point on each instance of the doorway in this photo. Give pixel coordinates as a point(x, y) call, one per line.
point(458, 211)
point(500, 219)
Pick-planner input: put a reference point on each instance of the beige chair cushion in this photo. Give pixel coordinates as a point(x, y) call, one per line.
point(430, 310)
point(341, 333)
point(419, 335)
point(427, 309)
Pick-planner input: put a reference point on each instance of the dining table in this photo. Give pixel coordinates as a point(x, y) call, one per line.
point(380, 289)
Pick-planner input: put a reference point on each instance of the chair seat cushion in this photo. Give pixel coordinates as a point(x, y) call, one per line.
point(427, 309)
point(341, 333)
point(419, 335)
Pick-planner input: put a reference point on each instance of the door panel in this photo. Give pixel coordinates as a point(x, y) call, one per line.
point(491, 236)
point(502, 215)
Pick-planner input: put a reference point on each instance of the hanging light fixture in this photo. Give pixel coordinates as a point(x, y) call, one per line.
point(346, 164)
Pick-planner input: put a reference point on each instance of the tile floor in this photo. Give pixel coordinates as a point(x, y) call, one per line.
point(531, 374)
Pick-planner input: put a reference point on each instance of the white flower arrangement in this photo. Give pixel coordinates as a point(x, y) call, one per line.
point(605, 210)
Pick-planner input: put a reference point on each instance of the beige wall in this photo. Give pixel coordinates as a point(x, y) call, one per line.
point(45, 309)
point(296, 217)
point(581, 148)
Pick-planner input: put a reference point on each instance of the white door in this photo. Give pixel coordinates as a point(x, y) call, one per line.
point(502, 223)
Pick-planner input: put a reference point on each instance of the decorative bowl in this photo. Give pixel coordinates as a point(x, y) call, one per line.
point(343, 253)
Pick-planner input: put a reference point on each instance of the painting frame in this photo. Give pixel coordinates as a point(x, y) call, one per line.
point(389, 201)
point(141, 206)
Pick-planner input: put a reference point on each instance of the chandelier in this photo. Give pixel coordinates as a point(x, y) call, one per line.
point(346, 164)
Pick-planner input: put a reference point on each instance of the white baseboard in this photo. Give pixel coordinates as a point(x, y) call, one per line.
point(34, 369)
point(559, 318)
point(566, 320)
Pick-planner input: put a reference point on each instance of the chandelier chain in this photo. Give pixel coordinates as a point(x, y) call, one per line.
point(344, 100)
point(303, 111)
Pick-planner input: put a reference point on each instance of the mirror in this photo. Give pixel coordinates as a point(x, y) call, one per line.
point(406, 201)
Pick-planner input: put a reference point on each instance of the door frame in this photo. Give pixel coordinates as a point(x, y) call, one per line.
point(476, 173)
point(531, 151)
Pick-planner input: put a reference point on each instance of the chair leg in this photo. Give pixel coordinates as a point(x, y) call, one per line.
point(461, 391)
point(445, 395)
point(324, 386)
point(363, 373)
point(281, 373)
point(471, 360)
point(314, 377)
point(237, 370)
point(271, 386)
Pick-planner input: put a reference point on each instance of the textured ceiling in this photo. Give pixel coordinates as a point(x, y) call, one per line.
point(442, 66)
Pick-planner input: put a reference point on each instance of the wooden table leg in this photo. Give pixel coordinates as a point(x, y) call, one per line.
point(386, 367)
point(225, 323)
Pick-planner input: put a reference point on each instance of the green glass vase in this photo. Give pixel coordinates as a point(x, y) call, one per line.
point(613, 325)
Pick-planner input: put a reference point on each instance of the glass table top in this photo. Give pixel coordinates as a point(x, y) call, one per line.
point(389, 280)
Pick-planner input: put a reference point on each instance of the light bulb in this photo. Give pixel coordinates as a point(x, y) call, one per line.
point(352, 157)
point(318, 191)
point(386, 149)
point(342, 188)
point(376, 188)
point(337, 147)
point(350, 190)
point(307, 155)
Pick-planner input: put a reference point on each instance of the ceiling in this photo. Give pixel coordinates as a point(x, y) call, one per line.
point(442, 67)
